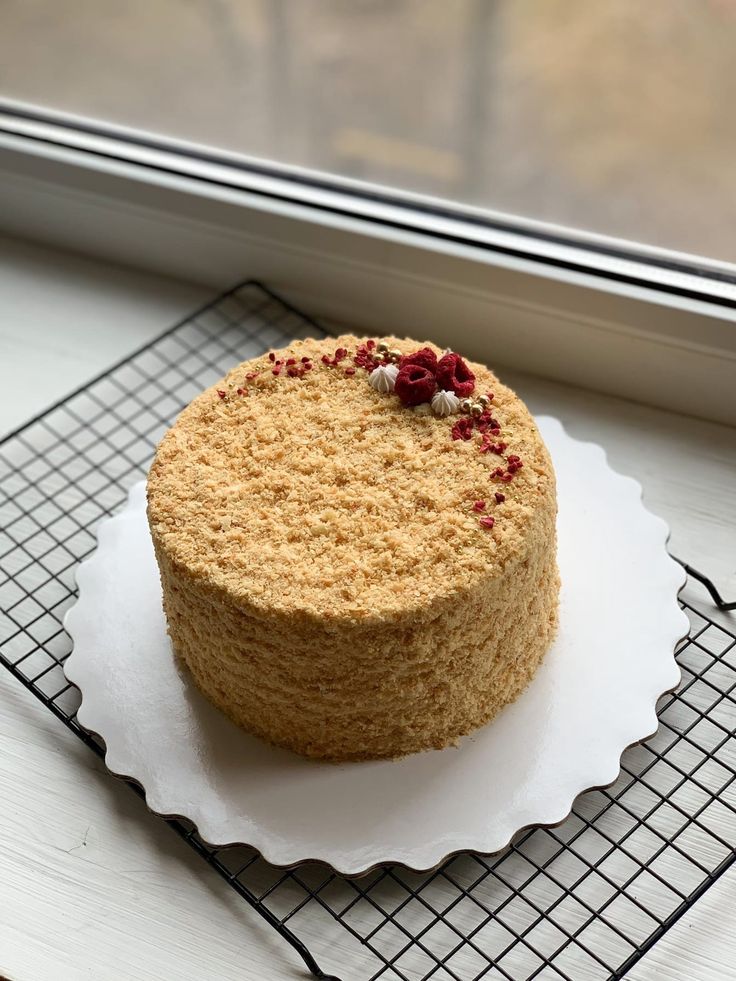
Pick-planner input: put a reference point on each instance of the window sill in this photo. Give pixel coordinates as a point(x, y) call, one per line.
point(65, 296)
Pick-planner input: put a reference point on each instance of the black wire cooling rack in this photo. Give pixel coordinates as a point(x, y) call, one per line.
point(582, 901)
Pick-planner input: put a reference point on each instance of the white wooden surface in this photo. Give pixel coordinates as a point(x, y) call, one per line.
point(93, 887)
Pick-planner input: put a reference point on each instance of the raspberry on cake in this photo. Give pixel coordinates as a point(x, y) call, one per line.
point(330, 578)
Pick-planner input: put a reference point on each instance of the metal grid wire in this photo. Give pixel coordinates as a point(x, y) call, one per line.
point(580, 901)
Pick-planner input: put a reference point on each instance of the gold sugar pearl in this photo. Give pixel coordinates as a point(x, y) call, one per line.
point(476, 409)
point(465, 405)
point(394, 354)
point(484, 401)
point(382, 348)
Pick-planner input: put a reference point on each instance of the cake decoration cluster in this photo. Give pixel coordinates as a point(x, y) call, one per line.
point(447, 384)
point(442, 382)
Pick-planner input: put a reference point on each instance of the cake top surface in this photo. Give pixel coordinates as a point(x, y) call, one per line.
point(300, 484)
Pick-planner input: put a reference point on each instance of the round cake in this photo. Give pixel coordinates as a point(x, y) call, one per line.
point(356, 541)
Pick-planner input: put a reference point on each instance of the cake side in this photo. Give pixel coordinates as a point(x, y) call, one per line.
point(368, 691)
point(341, 575)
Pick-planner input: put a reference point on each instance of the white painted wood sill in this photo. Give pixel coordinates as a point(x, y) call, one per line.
point(93, 887)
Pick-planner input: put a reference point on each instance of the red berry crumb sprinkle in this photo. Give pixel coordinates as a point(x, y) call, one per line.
point(340, 354)
point(415, 385)
point(350, 371)
point(488, 521)
point(250, 376)
point(500, 498)
point(463, 428)
point(453, 375)
point(271, 356)
point(488, 446)
point(223, 395)
point(365, 356)
point(479, 506)
point(514, 463)
point(486, 423)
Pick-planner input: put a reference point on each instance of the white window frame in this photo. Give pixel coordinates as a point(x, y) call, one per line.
point(649, 325)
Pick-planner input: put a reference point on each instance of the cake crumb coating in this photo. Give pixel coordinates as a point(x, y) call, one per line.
point(325, 575)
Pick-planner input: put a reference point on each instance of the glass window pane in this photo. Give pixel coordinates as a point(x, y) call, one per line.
point(614, 117)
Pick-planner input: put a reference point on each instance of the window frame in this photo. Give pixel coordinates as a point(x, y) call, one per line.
point(651, 325)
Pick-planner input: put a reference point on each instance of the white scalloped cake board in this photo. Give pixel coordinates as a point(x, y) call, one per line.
point(594, 695)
